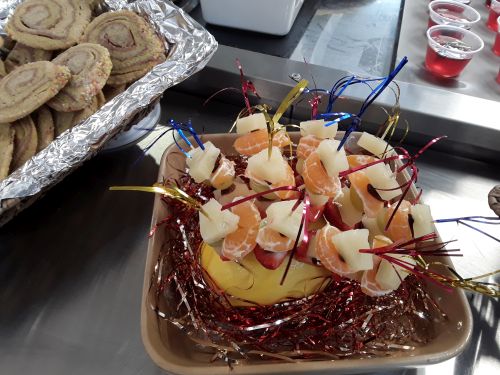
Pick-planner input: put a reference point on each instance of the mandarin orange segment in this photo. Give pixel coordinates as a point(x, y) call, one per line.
point(248, 213)
point(399, 230)
point(316, 179)
point(256, 141)
point(240, 243)
point(289, 181)
point(327, 252)
point(359, 160)
point(371, 205)
point(223, 176)
point(307, 145)
point(272, 240)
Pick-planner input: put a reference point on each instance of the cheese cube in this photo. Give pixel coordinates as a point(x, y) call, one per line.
point(202, 162)
point(250, 123)
point(381, 177)
point(281, 218)
point(218, 224)
point(318, 128)
point(389, 275)
point(273, 169)
point(422, 220)
point(349, 243)
point(349, 213)
point(375, 145)
point(334, 161)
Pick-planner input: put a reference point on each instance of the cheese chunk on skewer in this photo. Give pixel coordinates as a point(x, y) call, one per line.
point(250, 123)
point(202, 162)
point(375, 145)
point(334, 161)
point(282, 219)
point(318, 129)
point(349, 243)
point(216, 224)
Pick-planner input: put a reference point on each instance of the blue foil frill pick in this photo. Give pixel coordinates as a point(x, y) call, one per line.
point(180, 128)
point(341, 116)
point(371, 98)
point(195, 136)
point(382, 86)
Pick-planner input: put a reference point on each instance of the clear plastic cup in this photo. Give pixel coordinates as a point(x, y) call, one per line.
point(466, 2)
point(446, 12)
point(496, 46)
point(450, 49)
point(494, 14)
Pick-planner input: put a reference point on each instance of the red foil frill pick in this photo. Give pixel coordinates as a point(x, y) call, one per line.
point(409, 163)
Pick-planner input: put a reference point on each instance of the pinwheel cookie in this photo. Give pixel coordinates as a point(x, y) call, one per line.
point(132, 43)
point(49, 24)
point(44, 124)
point(6, 149)
point(90, 67)
point(22, 54)
point(28, 87)
point(25, 141)
point(66, 120)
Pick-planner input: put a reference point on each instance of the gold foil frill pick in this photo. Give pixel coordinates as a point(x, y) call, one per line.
point(172, 191)
point(290, 98)
point(471, 283)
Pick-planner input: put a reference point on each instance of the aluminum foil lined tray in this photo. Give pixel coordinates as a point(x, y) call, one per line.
point(190, 47)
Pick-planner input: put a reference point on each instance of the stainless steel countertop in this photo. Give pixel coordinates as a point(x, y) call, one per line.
point(478, 77)
point(71, 266)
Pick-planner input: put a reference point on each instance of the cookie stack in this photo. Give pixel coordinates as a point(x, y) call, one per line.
point(63, 67)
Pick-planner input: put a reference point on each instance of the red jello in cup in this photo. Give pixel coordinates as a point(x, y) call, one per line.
point(450, 49)
point(487, 3)
point(494, 14)
point(496, 46)
point(446, 12)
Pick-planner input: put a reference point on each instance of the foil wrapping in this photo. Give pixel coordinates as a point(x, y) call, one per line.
point(190, 47)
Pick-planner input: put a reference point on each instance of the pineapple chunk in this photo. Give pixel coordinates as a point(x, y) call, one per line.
point(273, 169)
point(422, 220)
point(250, 123)
point(349, 213)
point(281, 218)
point(202, 163)
point(349, 243)
point(318, 128)
point(334, 161)
point(218, 224)
point(389, 275)
point(381, 177)
point(375, 145)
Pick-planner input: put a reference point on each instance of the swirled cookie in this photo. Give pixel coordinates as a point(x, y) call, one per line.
point(44, 124)
point(66, 120)
point(28, 87)
point(111, 91)
point(132, 43)
point(6, 149)
point(22, 54)
point(101, 99)
point(49, 24)
point(90, 66)
point(25, 142)
point(3, 73)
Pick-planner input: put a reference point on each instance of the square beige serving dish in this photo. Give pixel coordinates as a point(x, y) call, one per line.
point(174, 352)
